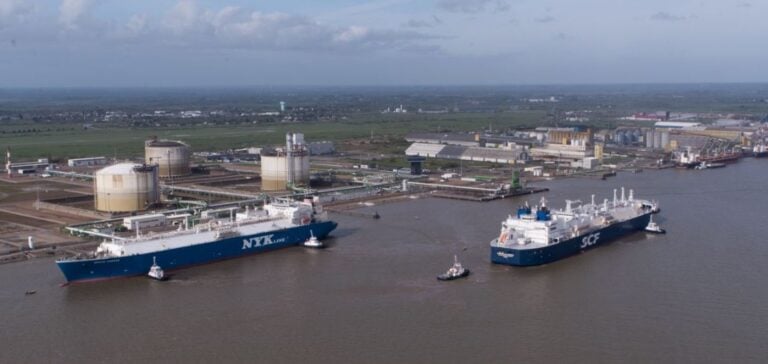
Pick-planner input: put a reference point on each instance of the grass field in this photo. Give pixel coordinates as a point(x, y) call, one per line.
point(128, 142)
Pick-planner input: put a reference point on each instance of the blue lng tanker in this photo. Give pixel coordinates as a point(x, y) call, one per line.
point(277, 225)
point(538, 236)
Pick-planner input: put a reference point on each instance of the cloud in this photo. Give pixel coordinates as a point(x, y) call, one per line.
point(190, 25)
point(235, 27)
point(137, 26)
point(11, 10)
point(71, 12)
point(415, 23)
point(422, 48)
point(664, 16)
point(472, 6)
point(744, 5)
point(545, 19)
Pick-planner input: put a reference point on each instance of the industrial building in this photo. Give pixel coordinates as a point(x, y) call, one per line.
point(570, 136)
point(87, 162)
point(509, 155)
point(286, 167)
point(27, 167)
point(126, 187)
point(473, 139)
point(467, 140)
point(562, 152)
point(676, 124)
point(321, 148)
point(171, 156)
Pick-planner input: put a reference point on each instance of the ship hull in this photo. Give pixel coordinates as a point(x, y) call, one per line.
point(170, 259)
point(553, 253)
point(687, 165)
point(761, 154)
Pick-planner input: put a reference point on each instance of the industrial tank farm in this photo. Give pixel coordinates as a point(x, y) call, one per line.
point(126, 187)
point(171, 156)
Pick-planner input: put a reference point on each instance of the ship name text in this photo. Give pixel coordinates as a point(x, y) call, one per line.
point(258, 241)
point(589, 240)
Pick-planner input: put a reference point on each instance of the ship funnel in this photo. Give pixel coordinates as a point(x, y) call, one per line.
point(593, 200)
point(614, 197)
point(623, 198)
point(631, 195)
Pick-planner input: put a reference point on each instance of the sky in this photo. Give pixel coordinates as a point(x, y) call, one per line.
point(185, 43)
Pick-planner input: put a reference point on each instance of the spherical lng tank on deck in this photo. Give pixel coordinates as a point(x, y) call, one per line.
point(171, 156)
point(126, 187)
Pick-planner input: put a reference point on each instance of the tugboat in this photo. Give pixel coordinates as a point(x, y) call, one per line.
point(653, 227)
point(454, 272)
point(312, 242)
point(710, 165)
point(156, 272)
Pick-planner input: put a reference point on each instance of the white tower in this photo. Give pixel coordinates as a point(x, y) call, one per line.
point(8, 161)
point(282, 106)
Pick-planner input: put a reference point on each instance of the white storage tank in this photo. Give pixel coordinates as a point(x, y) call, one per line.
point(274, 172)
point(126, 187)
point(171, 156)
point(286, 167)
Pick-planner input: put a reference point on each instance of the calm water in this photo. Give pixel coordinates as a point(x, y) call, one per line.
point(696, 294)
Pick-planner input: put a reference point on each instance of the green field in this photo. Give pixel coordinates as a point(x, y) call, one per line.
point(128, 142)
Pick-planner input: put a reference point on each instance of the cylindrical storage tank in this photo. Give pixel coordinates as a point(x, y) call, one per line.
point(274, 174)
point(301, 170)
point(172, 157)
point(664, 140)
point(126, 187)
point(649, 139)
point(657, 140)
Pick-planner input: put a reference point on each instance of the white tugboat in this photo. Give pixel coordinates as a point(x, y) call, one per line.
point(156, 272)
point(312, 242)
point(653, 227)
point(454, 272)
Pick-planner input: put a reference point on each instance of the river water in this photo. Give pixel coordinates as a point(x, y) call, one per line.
point(697, 294)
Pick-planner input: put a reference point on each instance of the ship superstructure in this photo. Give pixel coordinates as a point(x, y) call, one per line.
point(276, 225)
point(760, 150)
point(537, 235)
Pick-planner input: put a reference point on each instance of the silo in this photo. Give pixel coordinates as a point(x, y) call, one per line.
point(657, 140)
point(171, 156)
point(664, 139)
point(649, 139)
point(636, 134)
point(126, 187)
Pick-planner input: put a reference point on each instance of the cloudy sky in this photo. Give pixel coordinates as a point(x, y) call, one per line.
point(64, 43)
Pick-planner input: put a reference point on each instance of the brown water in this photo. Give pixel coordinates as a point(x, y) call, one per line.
point(697, 294)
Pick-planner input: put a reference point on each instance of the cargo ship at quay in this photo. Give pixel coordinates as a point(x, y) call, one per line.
point(276, 225)
point(688, 159)
point(538, 235)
